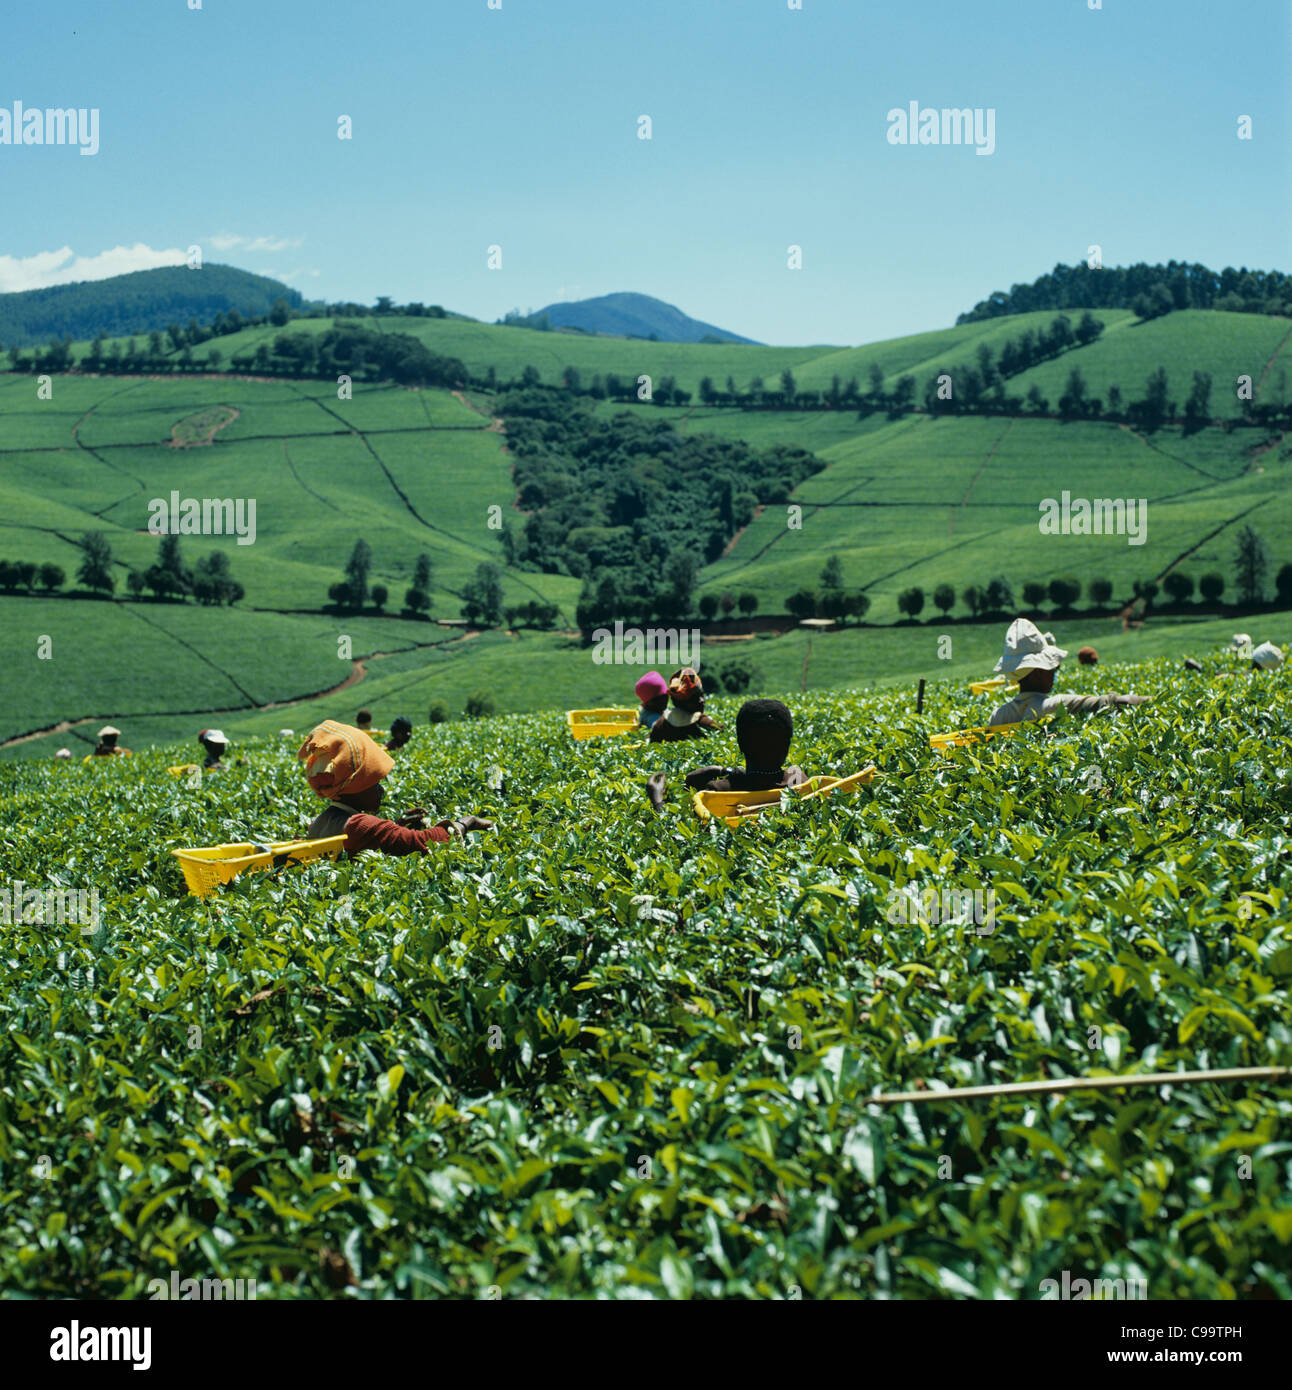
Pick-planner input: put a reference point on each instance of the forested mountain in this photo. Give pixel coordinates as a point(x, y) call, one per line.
point(136, 303)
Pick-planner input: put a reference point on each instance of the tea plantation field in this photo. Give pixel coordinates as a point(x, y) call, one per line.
point(597, 1053)
point(917, 501)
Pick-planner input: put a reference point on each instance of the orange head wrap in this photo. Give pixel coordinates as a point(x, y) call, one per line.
point(685, 685)
point(339, 758)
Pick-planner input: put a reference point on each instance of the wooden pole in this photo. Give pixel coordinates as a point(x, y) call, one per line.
point(1081, 1083)
point(919, 698)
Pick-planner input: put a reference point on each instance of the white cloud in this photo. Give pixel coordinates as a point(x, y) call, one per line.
point(286, 276)
point(63, 267)
point(229, 241)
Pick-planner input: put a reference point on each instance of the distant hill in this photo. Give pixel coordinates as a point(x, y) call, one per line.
point(136, 303)
point(634, 316)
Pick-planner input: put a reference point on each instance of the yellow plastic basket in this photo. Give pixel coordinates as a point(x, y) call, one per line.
point(600, 723)
point(962, 738)
point(735, 808)
point(206, 869)
point(120, 753)
point(181, 768)
point(988, 687)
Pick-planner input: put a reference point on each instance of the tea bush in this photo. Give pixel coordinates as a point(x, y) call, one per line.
point(600, 1053)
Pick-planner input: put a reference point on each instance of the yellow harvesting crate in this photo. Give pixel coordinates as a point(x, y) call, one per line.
point(600, 723)
point(181, 768)
point(737, 807)
point(962, 738)
point(206, 869)
point(94, 758)
point(988, 687)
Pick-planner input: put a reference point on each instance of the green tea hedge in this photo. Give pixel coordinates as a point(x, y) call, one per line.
point(599, 1053)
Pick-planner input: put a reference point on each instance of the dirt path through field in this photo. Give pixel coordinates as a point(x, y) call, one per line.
point(1273, 358)
point(991, 454)
point(494, 427)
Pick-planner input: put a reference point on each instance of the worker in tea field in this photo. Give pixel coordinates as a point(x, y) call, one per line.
point(216, 746)
point(1030, 661)
point(764, 729)
point(401, 730)
point(686, 718)
point(346, 768)
point(1267, 657)
point(364, 720)
point(652, 691)
point(107, 744)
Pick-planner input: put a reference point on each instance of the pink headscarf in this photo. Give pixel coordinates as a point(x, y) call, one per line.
point(651, 686)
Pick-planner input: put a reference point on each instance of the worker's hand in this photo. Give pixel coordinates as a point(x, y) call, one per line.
point(413, 819)
point(655, 789)
point(464, 825)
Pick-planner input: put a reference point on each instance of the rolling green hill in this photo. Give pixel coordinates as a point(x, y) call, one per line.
point(912, 501)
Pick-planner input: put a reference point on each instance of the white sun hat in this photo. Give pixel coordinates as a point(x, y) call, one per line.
point(1049, 637)
point(1027, 650)
point(212, 736)
point(108, 729)
point(286, 733)
point(1267, 656)
point(1239, 641)
point(63, 753)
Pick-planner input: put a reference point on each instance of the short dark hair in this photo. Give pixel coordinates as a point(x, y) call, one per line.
point(364, 717)
point(764, 729)
point(401, 725)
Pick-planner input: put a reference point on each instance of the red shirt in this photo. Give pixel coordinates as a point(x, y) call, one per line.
point(373, 832)
point(363, 831)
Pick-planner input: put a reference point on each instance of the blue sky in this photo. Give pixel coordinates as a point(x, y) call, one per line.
point(518, 127)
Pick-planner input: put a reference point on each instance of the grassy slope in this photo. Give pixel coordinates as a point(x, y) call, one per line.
point(923, 501)
point(1224, 344)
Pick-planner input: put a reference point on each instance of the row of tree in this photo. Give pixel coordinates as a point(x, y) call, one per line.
point(26, 575)
point(1147, 290)
point(210, 581)
point(996, 597)
point(354, 593)
point(482, 596)
point(347, 348)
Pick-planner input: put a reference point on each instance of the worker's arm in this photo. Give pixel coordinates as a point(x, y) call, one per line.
point(702, 776)
point(363, 831)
